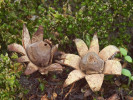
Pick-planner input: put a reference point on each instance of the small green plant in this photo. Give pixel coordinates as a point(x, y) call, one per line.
point(126, 57)
point(9, 74)
point(41, 86)
point(67, 19)
point(127, 73)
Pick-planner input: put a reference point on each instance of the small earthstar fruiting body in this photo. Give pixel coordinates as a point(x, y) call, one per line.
point(91, 64)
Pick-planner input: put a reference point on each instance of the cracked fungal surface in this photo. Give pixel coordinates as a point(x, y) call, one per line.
point(91, 63)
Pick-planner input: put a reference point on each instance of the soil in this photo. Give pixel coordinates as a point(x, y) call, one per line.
point(80, 90)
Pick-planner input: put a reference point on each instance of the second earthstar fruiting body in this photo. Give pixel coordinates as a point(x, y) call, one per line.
point(91, 64)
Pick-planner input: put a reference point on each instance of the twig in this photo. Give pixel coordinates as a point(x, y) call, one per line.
point(69, 91)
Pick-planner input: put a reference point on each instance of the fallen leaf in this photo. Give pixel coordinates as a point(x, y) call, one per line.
point(129, 98)
point(117, 83)
point(44, 97)
point(87, 93)
point(100, 98)
point(54, 96)
point(32, 97)
point(114, 97)
point(124, 65)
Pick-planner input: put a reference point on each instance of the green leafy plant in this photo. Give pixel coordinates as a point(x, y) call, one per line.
point(126, 57)
point(41, 86)
point(9, 74)
point(127, 73)
point(67, 19)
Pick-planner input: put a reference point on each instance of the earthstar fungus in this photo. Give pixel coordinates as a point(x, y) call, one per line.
point(38, 53)
point(91, 64)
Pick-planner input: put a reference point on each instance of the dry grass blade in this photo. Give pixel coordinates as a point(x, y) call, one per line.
point(69, 91)
point(94, 46)
point(112, 67)
point(25, 37)
point(95, 81)
point(73, 76)
point(81, 47)
point(108, 51)
point(17, 48)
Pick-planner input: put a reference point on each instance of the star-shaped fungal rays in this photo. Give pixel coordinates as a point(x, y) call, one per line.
point(91, 64)
point(38, 53)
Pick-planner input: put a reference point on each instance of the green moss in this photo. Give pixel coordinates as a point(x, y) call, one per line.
point(9, 84)
point(110, 19)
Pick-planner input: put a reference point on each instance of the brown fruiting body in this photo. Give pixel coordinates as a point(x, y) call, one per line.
point(39, 53)
point(91, 63)
point(36, 52)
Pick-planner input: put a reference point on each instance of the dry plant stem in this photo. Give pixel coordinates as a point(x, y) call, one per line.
point(129, 81)
point(69, 91)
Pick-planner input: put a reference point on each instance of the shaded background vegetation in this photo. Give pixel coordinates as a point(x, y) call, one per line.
point(63, 21)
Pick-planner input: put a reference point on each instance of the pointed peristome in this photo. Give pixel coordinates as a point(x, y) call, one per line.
point(94, 45)
point(16, 48)
point(81, 47)
point(73, 76)
point(71, 60)
point(31, 68)
point(52, 67)
point(112, 67)
point(38, 36)
point(95, 81)
point(25, 37)
point(48, 41)
point(108, 52)
point(23, 59)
